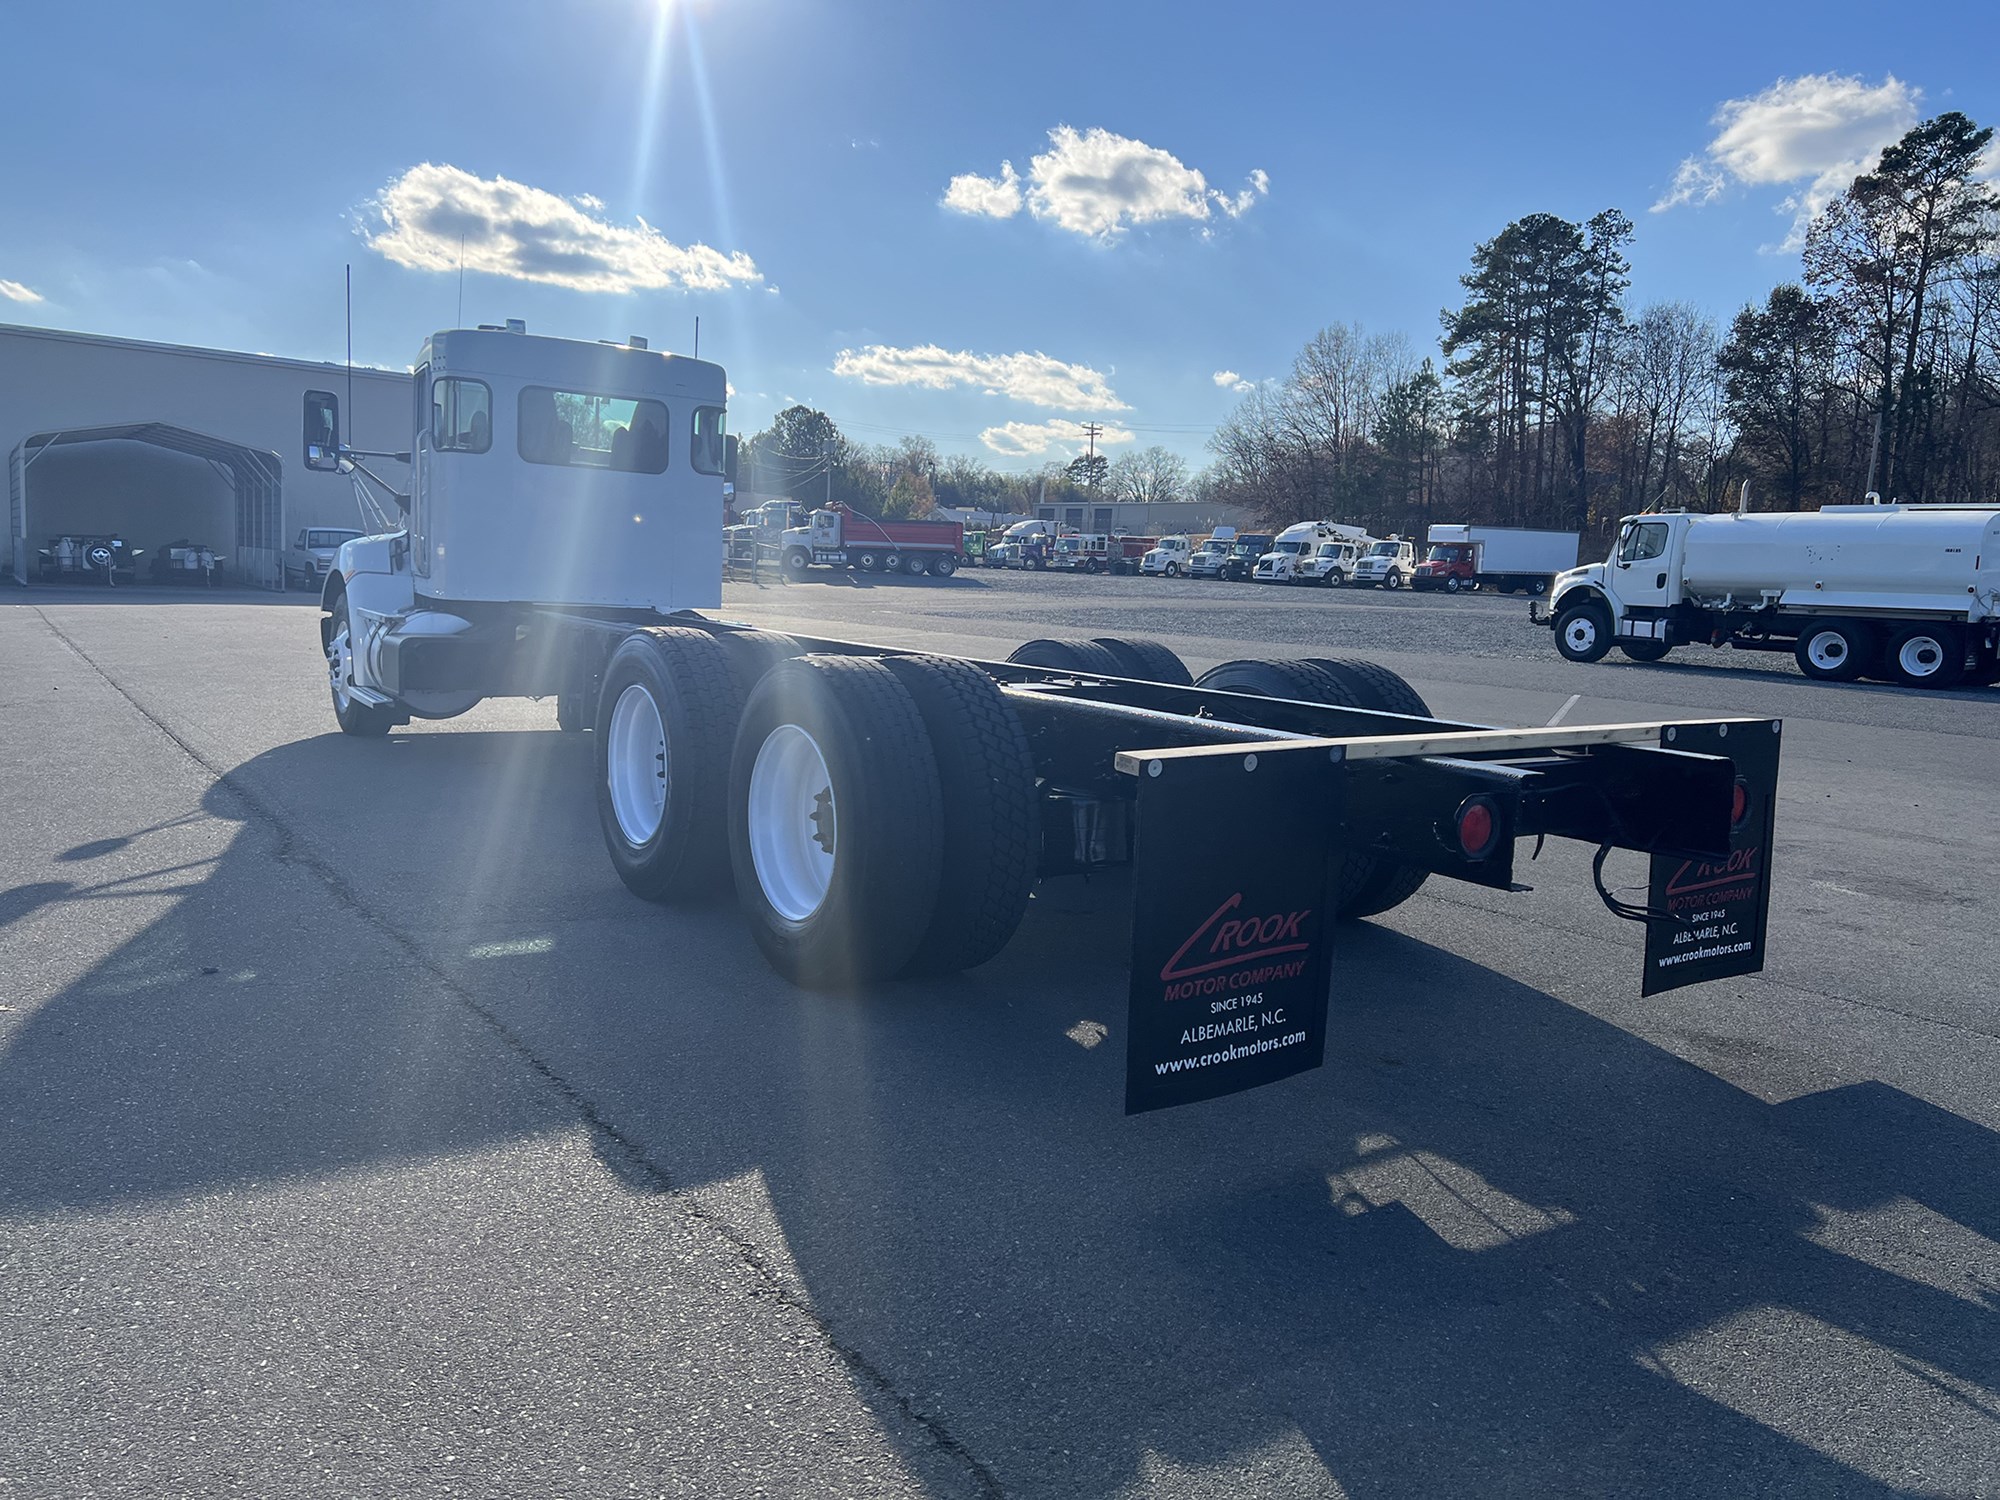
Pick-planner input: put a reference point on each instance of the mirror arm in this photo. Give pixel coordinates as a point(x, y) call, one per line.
point(401, 499)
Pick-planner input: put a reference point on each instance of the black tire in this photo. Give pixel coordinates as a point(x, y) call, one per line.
point(1452, 584)
point(752, 653)
point(1646, 651)
point(1537, 586)
point(1385, 883)
point(991, 818)
point(1146, 660)
point(686, 676)
point(1506, 585)
point(1297, 680)
point(1173, 570)
point(1393, 581)
point(1574, 641)
point(362, 720)
point(1069, 656)
point(1365, 883)
point(886, 859)
point(868, 560)
point(1931, 656)
point(1835, 650)
point(1374, 686)
point(944, 565)
point(798, 562)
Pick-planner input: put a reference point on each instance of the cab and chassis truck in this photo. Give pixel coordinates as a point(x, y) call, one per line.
point(882, 812)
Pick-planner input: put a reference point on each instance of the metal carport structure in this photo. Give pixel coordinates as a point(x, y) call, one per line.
point(256, 477)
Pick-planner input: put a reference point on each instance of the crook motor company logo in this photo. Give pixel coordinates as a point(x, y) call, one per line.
point(1224, 941)
point(1698, 883)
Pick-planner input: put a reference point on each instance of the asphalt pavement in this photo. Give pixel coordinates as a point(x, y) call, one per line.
point(362, 1135)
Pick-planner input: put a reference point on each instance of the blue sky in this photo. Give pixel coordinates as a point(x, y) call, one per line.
point(1214, 183)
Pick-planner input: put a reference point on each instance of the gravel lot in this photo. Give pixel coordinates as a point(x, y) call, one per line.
point(364, 1136)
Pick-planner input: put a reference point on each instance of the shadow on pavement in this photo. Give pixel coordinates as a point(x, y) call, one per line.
point(1495, 1246)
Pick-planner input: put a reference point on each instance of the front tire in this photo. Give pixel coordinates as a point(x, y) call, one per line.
point(666, 717)
point(835, 821)
point(797, 562)
point(1173, 570)
point(1583, 633)
point(1452, 585)
point(363, 720)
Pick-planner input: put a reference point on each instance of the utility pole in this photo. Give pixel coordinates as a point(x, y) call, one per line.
point(1091, 430)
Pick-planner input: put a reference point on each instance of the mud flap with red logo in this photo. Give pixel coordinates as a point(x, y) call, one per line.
point(1231, 925)
point(1708, 917)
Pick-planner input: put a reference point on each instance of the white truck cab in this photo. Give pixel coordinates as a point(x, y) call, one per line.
point(1206, 560)
point(1167, 558)
point(1332, 561)
point(543, 470)
point(1389, 564)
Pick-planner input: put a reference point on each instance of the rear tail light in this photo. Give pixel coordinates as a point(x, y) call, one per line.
point(1478, 827)
point(1739, 804)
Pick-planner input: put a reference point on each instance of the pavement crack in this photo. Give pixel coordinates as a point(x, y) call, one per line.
point(621, 1154)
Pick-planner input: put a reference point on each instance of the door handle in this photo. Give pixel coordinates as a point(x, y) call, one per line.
point(1660, 581)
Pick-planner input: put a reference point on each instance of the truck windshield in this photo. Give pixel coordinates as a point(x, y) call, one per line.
point(1447, 554)
point(1293, 546)
point(1248, 549)
point(1384, 549)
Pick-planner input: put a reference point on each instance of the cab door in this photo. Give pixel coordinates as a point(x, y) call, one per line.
point(1643, 563)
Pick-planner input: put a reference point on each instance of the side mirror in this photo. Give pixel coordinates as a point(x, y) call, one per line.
point(729, 458)
point(323, 432)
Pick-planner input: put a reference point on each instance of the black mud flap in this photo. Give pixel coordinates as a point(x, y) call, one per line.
point(1232, 923)
point(1708, 917)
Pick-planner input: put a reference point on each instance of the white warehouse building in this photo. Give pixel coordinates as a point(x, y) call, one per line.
point(160, 444)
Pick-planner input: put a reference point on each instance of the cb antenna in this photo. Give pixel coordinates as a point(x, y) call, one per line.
point(350, 349)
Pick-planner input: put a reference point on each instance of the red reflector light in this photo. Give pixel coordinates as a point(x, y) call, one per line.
point(1477, 827)
point(1739, 806)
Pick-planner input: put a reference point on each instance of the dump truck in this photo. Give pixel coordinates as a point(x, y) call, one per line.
point(881, 811)
point(836, 536)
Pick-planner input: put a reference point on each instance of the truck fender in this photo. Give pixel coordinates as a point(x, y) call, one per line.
point(1582, 593)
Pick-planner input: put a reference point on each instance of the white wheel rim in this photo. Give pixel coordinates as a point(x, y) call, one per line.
point(1827, 651)
point(635, 765)
point(1581, 634)
point(1920, 656)
point(339, 664)
point(794, 830)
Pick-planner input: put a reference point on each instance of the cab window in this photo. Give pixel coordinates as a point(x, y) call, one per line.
point(461, 416)
point(705, 448)
point(1643, 542)
point(580, 430)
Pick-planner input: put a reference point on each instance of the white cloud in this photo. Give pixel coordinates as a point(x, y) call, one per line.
point(1098, 184)
point(1032, 439)
point(507, 228)
point(995, 197)
point(1813, 134)
point(1036, 379)
point(1229, 380)
point(13, 291)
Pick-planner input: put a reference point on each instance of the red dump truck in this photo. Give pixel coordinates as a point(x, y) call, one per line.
point(837, 537)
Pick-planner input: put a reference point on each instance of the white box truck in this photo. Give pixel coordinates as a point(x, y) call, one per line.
point(1905, 593)
point(1506, 558)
